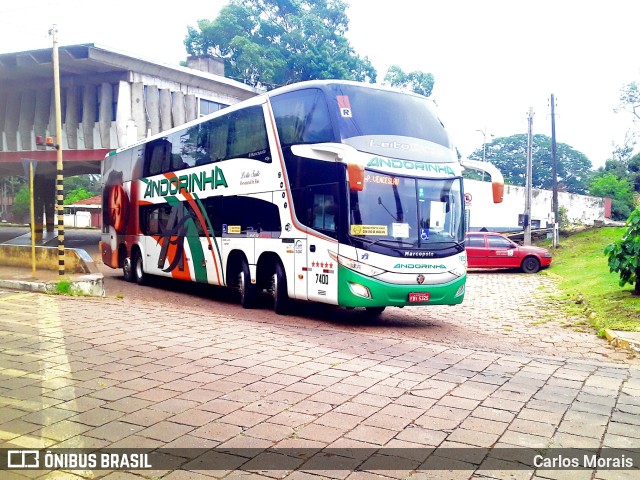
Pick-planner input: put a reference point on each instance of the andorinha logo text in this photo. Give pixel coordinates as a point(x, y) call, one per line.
point(189, 183)
point(410, 165)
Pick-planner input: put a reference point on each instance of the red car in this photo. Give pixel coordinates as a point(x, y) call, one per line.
point(493, 250)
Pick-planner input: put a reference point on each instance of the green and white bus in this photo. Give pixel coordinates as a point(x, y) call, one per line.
point(327, 191)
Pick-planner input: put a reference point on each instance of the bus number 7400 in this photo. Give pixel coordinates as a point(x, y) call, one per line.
point(322, 278)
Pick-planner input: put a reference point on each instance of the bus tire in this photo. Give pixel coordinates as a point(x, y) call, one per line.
point(530, 265)
point(138, 268)
point(374, 311)
point(127, 270)
point(281, 302)
point(248, 291)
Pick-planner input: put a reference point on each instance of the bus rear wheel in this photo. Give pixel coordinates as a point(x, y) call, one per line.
point(281, 302)
point(138, 268)
point(127, 270)
point(247, 290)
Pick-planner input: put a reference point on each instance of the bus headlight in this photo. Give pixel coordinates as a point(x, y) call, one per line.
point(356, 266)
point(359, 290)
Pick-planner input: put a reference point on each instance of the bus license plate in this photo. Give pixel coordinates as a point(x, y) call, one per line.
point(419, 297)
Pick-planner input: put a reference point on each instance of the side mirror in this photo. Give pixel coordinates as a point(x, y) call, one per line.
point(356, 177)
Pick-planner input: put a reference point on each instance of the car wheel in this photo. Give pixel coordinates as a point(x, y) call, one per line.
point(530, 265)
point(127, 270)
point(248, 292)
point(138, 268)
point(281, 302)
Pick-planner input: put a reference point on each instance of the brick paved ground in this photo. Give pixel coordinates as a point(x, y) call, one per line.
point(97, 373)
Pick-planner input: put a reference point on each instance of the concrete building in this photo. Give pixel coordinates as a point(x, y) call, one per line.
point(507, 216)
point(109, 100)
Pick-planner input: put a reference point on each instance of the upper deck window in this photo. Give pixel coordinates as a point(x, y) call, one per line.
point(302, 117)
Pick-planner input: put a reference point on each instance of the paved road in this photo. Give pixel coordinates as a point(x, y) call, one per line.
point(177, 365)
point(138, 372)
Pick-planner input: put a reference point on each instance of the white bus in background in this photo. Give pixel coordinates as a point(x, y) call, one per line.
point(327, 191)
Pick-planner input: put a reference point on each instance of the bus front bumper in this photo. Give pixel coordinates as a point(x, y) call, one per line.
point(356, 290)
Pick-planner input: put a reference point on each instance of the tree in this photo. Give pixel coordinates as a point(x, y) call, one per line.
point(624, 255)
point(76, 195)
point(619, 190)
point(21, 203)
point(418, 82)
point(509, 154)
point(89, 182)
point(276, 42)
point(630, 100)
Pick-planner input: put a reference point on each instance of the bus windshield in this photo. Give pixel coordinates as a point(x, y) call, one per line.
point(409, 129)
point(407, 212)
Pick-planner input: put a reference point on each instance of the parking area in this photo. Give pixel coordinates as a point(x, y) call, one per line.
point(129, 371)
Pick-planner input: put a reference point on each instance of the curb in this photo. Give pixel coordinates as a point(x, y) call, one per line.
point(623, 340)
point(91, 285)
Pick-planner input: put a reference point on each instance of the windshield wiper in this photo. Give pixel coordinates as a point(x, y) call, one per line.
point(375, 242)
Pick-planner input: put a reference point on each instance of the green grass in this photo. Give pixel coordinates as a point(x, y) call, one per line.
point(588, 288)
point(64, 287)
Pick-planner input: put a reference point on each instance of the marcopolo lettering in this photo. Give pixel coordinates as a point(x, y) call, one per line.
point(418, 265)
point(190, 183)
point(410, 165)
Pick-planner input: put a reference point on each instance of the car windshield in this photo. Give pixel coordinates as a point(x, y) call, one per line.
point(407, 212)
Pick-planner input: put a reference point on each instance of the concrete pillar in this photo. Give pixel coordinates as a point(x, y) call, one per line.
point(52, 115)
point(72, 117)
point(3, 116)
point(191, 105)
point(11, 121)
point(27, 115)
point(105, 114)
point(123, 112)
point(153, 108)
point(177, 109)
point(44, 189)
point(137, 111)
point(41, 119)
point(165, 110)
point(89, 104)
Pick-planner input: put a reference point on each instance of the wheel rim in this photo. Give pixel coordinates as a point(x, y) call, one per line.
point(274, 287)
point(139, 271)
point(241, 285)
point(127, 268)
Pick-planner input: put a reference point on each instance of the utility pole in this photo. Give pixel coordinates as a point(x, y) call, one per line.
point(59, 172)
point(529, 180)
point(554, 163)
point(484, 146)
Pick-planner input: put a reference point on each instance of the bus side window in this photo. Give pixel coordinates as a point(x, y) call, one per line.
point(324, 212)
point(215, 133)
point(302, 117)
point(157, 157)
point(248, 135)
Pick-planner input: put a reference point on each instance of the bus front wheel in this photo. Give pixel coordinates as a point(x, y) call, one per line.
point(246, 288)
point(374, 311)
point(279, 290)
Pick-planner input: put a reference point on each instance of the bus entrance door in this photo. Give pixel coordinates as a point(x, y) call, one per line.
point(300, 271)
point(322, 276)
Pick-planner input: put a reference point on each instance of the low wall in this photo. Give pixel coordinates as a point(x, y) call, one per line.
point(76, 261)
point(580, 209)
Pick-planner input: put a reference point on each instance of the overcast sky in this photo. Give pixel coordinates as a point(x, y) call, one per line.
point(492, 60)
